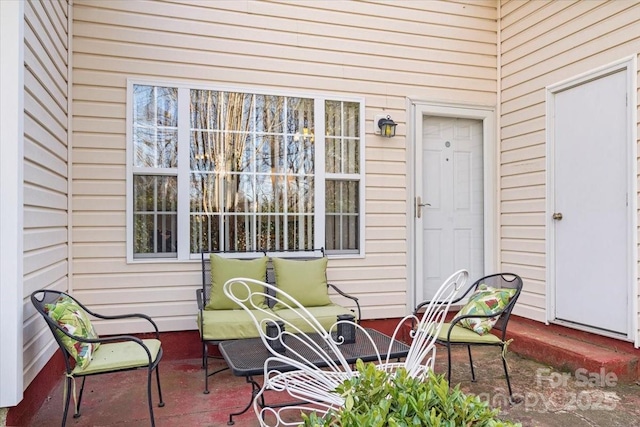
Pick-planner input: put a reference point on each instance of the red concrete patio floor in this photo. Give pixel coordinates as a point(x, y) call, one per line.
point(585, 392)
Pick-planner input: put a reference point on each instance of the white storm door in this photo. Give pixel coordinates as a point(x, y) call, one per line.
point(590, 167)
point(451, 222)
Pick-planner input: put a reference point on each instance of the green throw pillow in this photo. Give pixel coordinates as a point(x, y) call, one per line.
point(73, 319)
point(485, 300)
point(223, 269)
point(304, 280)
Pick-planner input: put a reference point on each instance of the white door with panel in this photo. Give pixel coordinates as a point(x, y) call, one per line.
point(449, 205)
point(590, 204)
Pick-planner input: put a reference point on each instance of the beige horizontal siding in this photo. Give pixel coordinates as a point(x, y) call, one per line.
point(34, 239)
point(50, 276)
point(542, 43)
point(523, 206)
point(39, 196)
point(38, 175)
point(595, 26)
point(409, 62)
point(106, 156)
point(108, 165)
point(100, 203)
point(531, 192)
point(99, 234)
point(91, 266)
point(83, 219)
point(90, 187)
point(44, 257)
point(45, 171)
point(98, 284)
point(383, 51)
point(523, 245)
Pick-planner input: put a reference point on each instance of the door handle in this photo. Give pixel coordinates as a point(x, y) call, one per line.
point(557, 216)
point(419, 206)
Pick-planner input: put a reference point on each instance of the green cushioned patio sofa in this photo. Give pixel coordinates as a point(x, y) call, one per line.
point(302, 274)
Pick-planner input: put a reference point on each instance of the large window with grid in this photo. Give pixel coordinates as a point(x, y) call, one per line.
point(231, 170)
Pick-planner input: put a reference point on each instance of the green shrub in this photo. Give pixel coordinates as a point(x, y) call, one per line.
point(375, 398)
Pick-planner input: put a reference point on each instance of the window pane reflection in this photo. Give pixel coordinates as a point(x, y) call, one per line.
point(342, 225)
point(251, 171)
point(155, 126)
point(155, 215)
point(252, 160)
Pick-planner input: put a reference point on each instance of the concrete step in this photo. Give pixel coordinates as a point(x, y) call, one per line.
point(570, 350)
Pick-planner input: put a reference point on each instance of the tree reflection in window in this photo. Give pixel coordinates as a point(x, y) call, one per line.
point(252, 171)
point(155, 151)
point(251, 174)
point(155, 215)
point(342, 165)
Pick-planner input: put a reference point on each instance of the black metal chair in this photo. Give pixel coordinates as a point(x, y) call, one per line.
point(452, 333)
point(113, 354)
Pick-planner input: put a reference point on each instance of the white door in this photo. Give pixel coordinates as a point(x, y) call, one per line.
point(590, 166)
point(450, 186)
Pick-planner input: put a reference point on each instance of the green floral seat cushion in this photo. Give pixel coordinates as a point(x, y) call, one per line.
point(485, 301)
point(73, 319)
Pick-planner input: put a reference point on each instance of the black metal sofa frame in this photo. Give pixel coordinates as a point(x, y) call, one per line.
point(203, 296)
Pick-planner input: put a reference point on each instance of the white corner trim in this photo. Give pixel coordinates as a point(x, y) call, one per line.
point(11, 211)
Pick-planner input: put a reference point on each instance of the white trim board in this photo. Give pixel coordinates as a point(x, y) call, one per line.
point(11, 212)
point(418, 109)
point(629, 65)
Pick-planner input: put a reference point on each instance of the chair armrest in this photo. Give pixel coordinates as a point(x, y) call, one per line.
point(458, 319)
point(127, 316)
point(113, 338)
point(453, 302)
point(200, 299)
point(419, 306)
point(416, 310)
point(351, 297)
point(117, 316)
point(120, 338)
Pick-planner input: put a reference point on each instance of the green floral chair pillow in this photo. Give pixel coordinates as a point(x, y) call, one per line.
point(73, 319)
point(485, 301)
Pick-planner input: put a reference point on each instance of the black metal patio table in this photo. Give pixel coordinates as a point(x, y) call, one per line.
point(246, 357)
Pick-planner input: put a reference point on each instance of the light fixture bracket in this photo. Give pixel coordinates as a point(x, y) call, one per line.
point(384, 126)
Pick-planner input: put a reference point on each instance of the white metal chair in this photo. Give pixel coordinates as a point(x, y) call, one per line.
point(421, 357)
point(315, 364)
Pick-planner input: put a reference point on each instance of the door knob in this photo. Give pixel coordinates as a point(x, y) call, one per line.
point(557, 216)
point(419, 206)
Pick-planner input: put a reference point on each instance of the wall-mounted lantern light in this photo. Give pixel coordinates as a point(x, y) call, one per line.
point(386, 126)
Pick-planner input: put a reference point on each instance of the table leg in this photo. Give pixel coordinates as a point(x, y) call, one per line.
point(210, 374)
point(255, 388)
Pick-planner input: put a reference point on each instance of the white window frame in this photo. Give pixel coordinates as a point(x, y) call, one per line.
point(183, 166)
